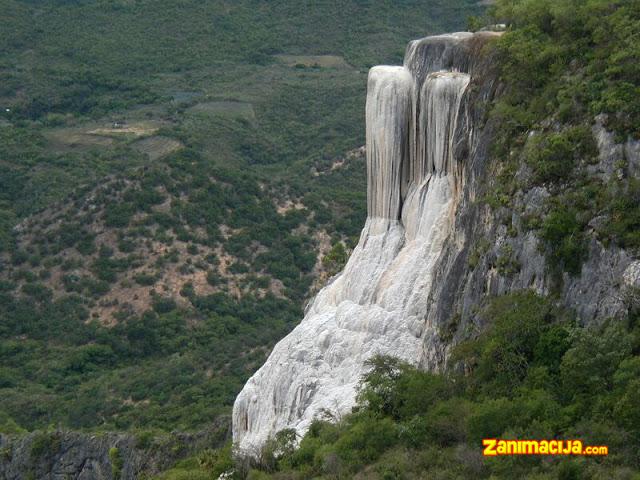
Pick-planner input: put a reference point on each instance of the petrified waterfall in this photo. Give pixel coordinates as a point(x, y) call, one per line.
point(379, 303)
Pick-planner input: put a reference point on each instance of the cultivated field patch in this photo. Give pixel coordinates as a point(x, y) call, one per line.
point(231, 108)
point(157, 146)
point(326, 61)
point(135, 129)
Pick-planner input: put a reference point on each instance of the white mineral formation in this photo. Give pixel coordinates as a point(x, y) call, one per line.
point(377, 305)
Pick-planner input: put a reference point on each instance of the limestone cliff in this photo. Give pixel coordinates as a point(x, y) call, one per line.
point(432, 249)
point(421, 137)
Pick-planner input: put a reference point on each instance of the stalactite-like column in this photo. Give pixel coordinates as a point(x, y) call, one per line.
point(441, 95)
point(432, 158)
point(388, 117)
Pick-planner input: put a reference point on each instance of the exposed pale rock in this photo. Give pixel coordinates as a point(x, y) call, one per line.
point(377, 305)
point(631, 275)
point(535, 200)
point(389, 108)
point(632, 154)
point(610, 153)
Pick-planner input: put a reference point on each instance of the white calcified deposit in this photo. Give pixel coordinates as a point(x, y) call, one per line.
point(377, 305)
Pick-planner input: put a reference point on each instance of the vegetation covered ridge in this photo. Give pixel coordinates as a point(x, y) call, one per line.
point(570, 74)
point(176, 179)
point(534, 373)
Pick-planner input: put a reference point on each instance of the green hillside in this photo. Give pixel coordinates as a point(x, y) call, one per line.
point(529, 369)
point(177, 178)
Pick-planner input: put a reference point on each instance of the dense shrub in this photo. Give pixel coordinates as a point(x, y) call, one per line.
point(530, 374)
point(562, 63)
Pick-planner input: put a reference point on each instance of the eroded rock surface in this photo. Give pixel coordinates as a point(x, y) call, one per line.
point(416, 120)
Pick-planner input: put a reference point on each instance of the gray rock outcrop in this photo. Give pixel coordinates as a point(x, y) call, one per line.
point(62, 455)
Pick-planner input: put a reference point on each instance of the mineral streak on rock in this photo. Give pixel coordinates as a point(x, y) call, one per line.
point(387, 113)
point(378, 304)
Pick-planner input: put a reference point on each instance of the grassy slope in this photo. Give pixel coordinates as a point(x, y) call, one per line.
point(115, 309)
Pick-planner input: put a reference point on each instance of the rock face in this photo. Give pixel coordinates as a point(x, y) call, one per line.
point(432, 251)
point(110, 456)
point(419, 137)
